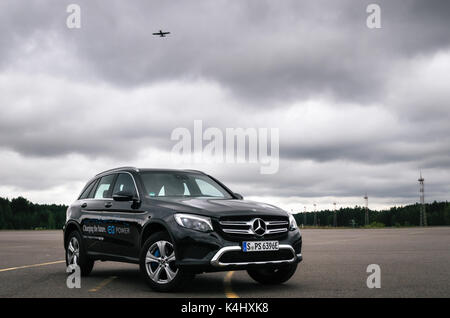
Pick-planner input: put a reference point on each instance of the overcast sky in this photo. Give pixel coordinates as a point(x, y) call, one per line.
point(359, 110)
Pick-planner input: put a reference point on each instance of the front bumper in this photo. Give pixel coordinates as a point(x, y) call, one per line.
point(209, 252)
point(215, 261)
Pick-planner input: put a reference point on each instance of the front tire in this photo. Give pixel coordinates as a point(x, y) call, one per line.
point(157, 264)
point(272, 276)
point(76, 254)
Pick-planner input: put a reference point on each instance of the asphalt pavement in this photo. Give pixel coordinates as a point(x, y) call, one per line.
point(414, 262)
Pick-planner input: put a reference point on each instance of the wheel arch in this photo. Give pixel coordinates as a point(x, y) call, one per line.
point(69, 228)
point(152, 227)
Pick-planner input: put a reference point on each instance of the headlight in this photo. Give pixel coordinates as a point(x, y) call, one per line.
point(194, 222)
point(292, 224)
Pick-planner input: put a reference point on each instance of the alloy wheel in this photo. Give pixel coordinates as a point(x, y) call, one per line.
point(160, 262)
point(73, 251)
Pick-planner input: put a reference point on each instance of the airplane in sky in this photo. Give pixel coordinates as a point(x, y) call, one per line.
point(161, 33)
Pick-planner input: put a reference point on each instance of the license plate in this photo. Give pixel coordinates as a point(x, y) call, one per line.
point(260, 246)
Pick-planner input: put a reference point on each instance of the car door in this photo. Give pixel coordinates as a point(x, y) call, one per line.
point(125, 219)
point(94, 221)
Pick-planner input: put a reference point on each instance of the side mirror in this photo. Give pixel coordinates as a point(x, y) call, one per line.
point(238, 196)
point(123, 196)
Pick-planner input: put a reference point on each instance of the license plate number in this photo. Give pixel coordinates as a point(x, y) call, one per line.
point(260, 246)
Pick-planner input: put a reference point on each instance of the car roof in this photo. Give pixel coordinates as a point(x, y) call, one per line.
point(130, 169)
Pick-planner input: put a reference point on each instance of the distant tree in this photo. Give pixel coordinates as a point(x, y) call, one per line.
point(51, 221)
point(438, 213)
point(20, 205)
point(19, 213)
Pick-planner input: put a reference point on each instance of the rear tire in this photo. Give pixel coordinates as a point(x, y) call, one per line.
point(76, 254)
point(272, 276)
point(157, 264)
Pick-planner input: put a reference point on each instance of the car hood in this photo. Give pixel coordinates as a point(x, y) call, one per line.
point(219, 207)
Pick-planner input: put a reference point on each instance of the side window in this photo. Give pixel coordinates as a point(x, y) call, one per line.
point(104, 187)
point(124, 183)
point(87, 190)
point(92, 192)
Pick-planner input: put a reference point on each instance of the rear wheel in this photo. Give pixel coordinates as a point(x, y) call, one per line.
point(76, 255)
point(271, 276)
point(157, 263)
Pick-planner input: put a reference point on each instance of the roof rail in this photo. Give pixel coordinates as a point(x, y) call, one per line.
point(119, 168)
point(192, 170)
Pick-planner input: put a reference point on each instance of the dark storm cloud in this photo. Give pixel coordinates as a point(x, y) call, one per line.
point(105, 92)
point(261, 50)
point(337, 179)
point(374, 152)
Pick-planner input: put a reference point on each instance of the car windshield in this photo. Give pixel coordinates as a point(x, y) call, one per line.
point(181, 184)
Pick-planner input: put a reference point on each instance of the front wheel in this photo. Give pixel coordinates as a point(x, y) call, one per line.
point(157, 263)
point(76, 255)
point(271, 276)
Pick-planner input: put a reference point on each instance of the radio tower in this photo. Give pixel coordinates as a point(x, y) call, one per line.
point(304, 215)
point(366, 214)
point(335, 216)
point(423, 213)
point(315, 215)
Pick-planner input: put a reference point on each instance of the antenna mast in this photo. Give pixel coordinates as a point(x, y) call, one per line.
point(315, 215)
point(304, 215)
point(335, 216)
point(366, 214)
point(423, 213)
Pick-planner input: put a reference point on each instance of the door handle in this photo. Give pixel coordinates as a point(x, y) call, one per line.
point(108, 205)
point(84, 205)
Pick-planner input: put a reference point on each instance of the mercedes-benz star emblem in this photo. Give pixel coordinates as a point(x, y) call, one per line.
point(259, 227)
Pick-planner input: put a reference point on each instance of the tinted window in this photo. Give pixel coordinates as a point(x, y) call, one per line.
point(181, 184)
point(91, 193)
point(124, 183)
point(207, 188)
point(162, 192)
point(88, 190)
point(104, 186)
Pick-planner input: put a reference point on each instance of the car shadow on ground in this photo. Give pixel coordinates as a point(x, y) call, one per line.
point(203, 285)
point(132, 280)
point(250, 288)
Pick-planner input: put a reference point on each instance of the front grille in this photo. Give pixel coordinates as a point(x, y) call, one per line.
point(250, 257)
point(246, 226)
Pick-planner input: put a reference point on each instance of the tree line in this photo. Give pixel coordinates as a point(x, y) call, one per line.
point(19, 213)
point(438, 213)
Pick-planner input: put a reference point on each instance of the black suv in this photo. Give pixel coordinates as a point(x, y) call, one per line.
point(178, 223)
